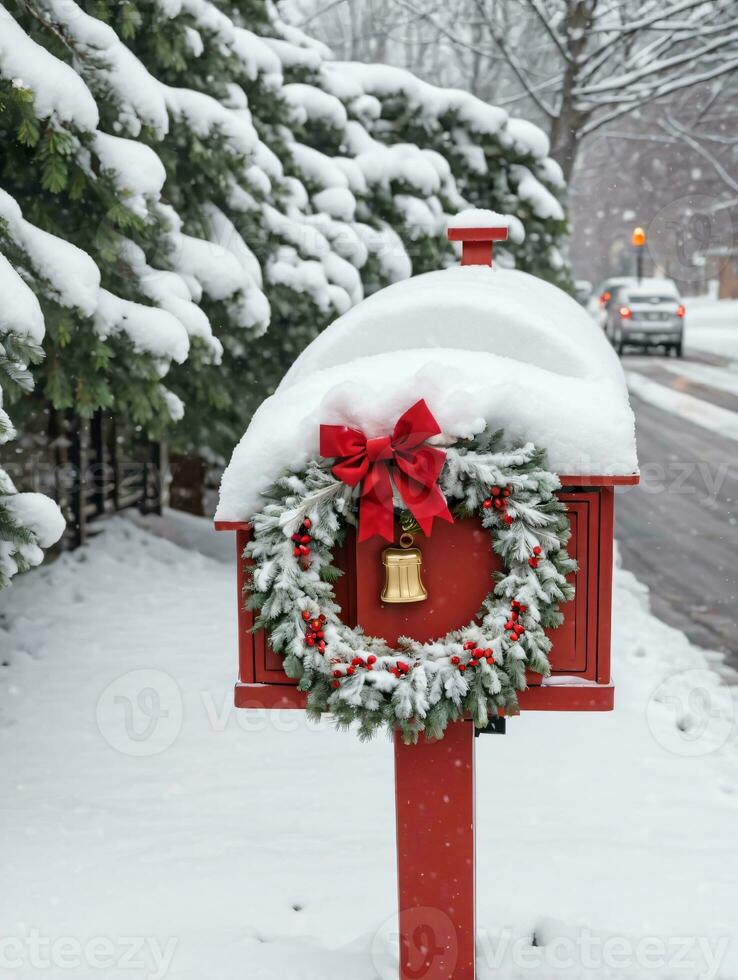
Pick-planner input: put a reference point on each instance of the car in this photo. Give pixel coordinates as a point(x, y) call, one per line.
point(599, 305)
point(649, 314)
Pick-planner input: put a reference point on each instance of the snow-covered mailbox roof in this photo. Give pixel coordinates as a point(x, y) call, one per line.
point(477, 343)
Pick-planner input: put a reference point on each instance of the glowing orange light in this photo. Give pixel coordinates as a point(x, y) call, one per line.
point(625, 312)
point(680, 310)
point(638, 238)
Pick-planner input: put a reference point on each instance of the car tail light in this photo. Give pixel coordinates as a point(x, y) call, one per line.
point(605, 297)
point(680, 310)
point(626, 313)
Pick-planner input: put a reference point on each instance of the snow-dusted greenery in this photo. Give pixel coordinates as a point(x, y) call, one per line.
point(193, 190)
point(417, 687)
point(28, 521)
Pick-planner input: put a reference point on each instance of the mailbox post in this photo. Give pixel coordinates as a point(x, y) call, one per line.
point(435, 816)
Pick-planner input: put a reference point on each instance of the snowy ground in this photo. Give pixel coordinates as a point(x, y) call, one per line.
point(712, 325)
point(260, 848)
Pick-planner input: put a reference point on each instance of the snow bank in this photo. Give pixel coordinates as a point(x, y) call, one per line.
point(479, 345)
point(57, 89)
point(606, 828)
point(712, 325)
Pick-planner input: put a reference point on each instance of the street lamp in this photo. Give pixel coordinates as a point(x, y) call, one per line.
point(638, 240)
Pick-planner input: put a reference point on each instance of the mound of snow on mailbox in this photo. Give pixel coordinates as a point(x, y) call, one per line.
point(481, 345)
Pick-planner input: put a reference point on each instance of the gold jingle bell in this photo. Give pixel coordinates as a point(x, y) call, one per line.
point(402, 568)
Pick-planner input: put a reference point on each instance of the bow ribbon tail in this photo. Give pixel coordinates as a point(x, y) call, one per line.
point(376, 512)
point(425, 502)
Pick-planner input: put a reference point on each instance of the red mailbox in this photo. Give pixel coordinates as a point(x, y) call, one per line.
point(572, 396)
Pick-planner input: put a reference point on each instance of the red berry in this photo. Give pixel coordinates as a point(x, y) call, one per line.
point(296, 552)
point(522, 608)
point(350, 671)
point(455, 660)
point(370, 666)
point(337, 673)
point(320, 634)
point(307, 522)
point(533, 562)
point(303, 550)
point(519, 629)
point(486, 504)
point(315, 623)
point(322, 617)
point(508, 519)
point(514, 615)
point(403, 667)
point(537, 550)
point(488, 652)
point(305, 538)
point(321, 646)
point(513, 636)
point(357, 661)
point(515, 604)
point(462, 667)
point(305, 615)
point(499, 503)
point(395, 671)
point(506, 492)
point(495, 491)
point(469, 645)
point(490, 660)
point(509, 624)
point(371, 659)
point(295, 537)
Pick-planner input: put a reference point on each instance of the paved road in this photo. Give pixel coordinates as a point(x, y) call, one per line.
point(678, 531)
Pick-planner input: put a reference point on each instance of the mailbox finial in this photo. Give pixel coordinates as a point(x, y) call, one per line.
point(477, 229)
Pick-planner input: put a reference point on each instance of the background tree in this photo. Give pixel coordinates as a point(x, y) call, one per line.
point(219, 189)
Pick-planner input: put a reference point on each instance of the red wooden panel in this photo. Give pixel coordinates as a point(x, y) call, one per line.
point(245, 617)
point(604, 587)
point(574, 696)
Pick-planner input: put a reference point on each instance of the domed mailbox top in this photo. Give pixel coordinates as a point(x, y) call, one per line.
point(479, 344)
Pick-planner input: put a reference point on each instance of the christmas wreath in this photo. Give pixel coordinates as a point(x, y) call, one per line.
point(416, 687)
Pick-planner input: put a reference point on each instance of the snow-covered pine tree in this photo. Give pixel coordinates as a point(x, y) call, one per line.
point(210, 164)
point(29, 522)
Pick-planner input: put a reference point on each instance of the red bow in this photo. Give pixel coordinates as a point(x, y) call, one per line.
point(401, 457)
